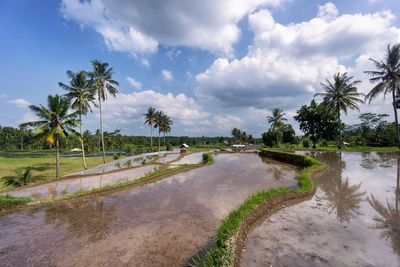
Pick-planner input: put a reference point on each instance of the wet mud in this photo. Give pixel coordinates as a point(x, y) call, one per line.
point(352, 220)
point(159, 224)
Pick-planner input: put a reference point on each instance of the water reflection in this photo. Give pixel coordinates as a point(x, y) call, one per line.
point(378, 159)
point(389, 219)
point(344, 199)
point(88, 217)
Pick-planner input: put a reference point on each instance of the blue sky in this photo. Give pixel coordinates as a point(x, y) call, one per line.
point(210, 65)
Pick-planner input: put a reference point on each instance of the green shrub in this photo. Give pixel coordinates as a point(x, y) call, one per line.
point(128, 151)
point(207, 158)
point(116, 156)
point(21, 177)
point(324, 143)
point(306, 142)
point(169, 147)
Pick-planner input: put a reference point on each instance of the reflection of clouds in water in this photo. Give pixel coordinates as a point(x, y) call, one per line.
point(181, 177)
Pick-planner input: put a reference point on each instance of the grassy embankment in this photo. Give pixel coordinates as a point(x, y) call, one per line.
point(45, 168)
point(345, 148)
point(7, 202)
point(223, 252)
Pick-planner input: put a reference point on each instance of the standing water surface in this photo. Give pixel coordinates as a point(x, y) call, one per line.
point(353, 219)
point(164, 223)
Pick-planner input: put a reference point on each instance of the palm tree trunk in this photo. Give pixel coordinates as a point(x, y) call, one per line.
point(159, 139)
point(83, 147)
point(340, 130)
point(277, 139)
point(57, 160)
point(396, 118)
point(101, 131)
point(165, 148)
point(151, 136)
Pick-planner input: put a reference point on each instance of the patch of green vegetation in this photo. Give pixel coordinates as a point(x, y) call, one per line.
point(8, 202)
point(207, 158)
point(44, 168)
point(222, 254)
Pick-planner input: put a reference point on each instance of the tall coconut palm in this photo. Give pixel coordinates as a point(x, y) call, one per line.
point(149, 117)
point(80, 91)
point(158, 119)
point(276, 121)
point(340, 95)
point(165, 125)
point(388, 78)
point(103, 83)
point(55, 123)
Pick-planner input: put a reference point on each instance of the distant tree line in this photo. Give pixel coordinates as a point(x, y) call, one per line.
point(15, 139)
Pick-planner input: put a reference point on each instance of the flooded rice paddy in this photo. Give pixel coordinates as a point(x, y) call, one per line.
point(64, 187)
point(129, 162)
point(353, 219)
point(193, 158)
point(97, 180)
point(159, 224)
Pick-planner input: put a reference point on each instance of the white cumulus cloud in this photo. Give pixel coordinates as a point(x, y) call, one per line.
point(21, 103)
point(167, 75)
point(286, 63)
point(140, 26)
point(137, 85)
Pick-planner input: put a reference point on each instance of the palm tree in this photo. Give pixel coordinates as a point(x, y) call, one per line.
point(165, 125)
point(103, 84)
point(150, 119)
point(276, 121)
point(23, 176)
point(158, 117)
point(22, 134)
point(388, 78)
point(80, 91)
point(56, 122)
point(339, 96)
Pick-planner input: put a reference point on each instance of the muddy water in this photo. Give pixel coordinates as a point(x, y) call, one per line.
point(353, 219)
point(125, 162)
point(192, 158)
point(61, 188)
point(160, 224)
point(168, 157)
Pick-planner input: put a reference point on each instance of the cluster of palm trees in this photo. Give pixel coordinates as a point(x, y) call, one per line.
point(160, 120)
point(57, 122)
point(342, 94)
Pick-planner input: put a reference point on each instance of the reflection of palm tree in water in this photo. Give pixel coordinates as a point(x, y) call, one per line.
point(389, 219)
point(342, 197)
point(91, 217)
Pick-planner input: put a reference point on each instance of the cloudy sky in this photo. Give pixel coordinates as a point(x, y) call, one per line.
point(210, 65)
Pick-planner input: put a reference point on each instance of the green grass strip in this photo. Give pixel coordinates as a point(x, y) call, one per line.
point(8, 202)
point(222, 253)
